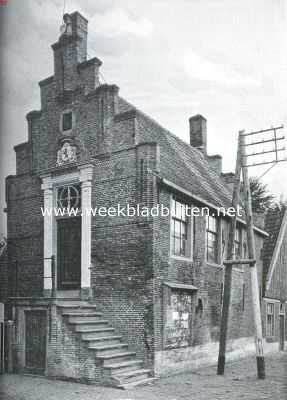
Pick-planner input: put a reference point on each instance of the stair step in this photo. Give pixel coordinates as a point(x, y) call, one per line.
point(74, 303)
point(132, 376)
point(106, 349)
point(131, 385)
point(82, 314)
point(99, 339)
point(118, 367)
point(96, 322)
point(126, 355)
point(94, 331)
point(71, 307)
point(107, 346)
point(86, 327)
point(89, 320)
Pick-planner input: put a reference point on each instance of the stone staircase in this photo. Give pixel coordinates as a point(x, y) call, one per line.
point(120, 367)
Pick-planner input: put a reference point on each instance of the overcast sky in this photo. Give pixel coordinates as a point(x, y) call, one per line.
point(224, 59)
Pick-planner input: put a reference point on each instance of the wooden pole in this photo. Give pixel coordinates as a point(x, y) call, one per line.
point(228, 267)
point(253, 267)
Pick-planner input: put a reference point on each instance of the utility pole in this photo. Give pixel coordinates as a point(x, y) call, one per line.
point(242, 164)
point(253, 267)
point(228, 268)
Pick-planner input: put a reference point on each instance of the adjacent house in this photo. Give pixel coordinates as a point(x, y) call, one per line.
point(106, 297)
point(274, 306)
point(3, 269)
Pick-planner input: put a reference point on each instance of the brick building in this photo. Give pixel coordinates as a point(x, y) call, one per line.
point(274, 308)
point(134, 296)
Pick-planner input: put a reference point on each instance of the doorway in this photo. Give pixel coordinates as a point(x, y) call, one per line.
point(35, 342)
point(69, 253)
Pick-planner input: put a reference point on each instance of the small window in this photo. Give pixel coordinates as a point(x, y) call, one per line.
point(179, 229)
point(211, 239)
point(67, 121)
point(270, 319)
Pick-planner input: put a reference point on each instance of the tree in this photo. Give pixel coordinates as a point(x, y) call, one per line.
point(262, 199)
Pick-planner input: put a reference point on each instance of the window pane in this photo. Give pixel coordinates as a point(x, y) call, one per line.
point(178, 210)
point(173, 203)
point(183, 212)
point(177, 246)
point(183, 247)
point(177, 227)
point(67, 121)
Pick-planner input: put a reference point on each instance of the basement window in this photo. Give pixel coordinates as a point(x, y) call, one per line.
point(67, 121)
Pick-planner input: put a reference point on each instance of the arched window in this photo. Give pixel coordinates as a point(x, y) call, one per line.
point(69, 196)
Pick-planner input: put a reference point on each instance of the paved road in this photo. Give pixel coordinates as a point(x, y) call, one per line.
point(240, 382)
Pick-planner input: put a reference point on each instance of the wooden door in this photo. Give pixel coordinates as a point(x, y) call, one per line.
point(35, 343)
point(69, 253)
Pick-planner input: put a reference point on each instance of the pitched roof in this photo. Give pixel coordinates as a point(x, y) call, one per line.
point(3, 245)
point(184, 165)
point(273, 222)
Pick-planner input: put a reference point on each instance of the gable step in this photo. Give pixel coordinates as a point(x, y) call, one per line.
point(118, 367)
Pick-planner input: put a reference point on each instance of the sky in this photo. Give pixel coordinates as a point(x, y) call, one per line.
point(224, 59)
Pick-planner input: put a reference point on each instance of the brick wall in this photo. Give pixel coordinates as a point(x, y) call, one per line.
point(66, 357)
point(122, 246)
point(25, 235)
point(3, 276)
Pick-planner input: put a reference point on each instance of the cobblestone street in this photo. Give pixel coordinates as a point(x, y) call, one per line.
point(240, 382)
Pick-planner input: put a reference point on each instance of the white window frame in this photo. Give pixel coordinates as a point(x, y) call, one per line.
point(218, 260)
point(189, 240)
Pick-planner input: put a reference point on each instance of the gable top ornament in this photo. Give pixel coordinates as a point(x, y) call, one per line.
point(66, 154)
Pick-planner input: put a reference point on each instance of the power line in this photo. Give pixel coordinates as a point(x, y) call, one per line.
point(64, 7)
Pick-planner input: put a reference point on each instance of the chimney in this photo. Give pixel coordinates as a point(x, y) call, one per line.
point(228, 179)
point(198, 134)
point(69, 51)
point(215, 163)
